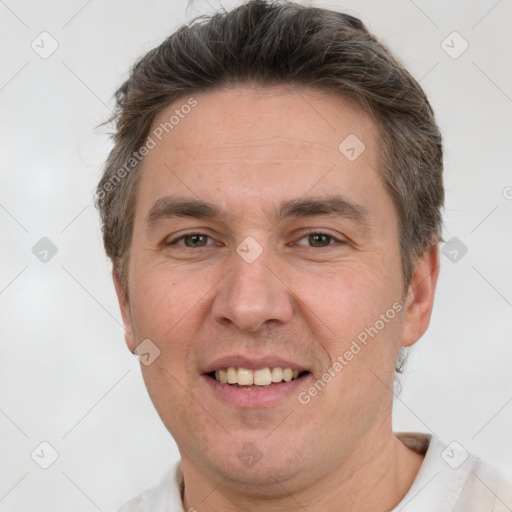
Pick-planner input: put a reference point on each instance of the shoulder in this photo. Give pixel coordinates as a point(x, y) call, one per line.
point(451, 479)
point(489, 485)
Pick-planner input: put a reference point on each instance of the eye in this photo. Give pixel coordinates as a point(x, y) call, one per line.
point(319, 240)
point(191, 240)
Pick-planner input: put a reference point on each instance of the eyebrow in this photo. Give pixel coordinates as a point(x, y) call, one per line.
point(333, 205)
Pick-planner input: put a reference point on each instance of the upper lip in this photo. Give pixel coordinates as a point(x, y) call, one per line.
point(252, 363)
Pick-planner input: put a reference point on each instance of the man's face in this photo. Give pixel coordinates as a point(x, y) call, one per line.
point(295, 256)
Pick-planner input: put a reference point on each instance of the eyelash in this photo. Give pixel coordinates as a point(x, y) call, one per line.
point(331, 237)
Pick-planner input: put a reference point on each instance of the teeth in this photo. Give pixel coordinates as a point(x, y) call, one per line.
point(260, 377)
point(232, 375)
point(245, 377)
point(221, 376)
point(277, 374)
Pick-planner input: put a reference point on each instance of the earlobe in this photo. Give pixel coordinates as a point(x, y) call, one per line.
point(124, 305)
point(420, 296)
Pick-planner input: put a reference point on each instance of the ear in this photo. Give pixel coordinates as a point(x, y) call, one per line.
point(420, 296)
point(125, 310)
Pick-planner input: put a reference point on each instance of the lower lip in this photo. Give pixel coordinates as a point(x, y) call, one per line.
point(252, 398)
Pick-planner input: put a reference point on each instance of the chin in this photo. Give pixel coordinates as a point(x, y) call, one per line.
point(248, 460)
point(270, 476)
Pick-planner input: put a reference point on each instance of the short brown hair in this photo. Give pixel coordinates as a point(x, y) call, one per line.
point(266, 43)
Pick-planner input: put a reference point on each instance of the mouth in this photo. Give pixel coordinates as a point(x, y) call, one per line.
point(255, 382)
point(261, 378)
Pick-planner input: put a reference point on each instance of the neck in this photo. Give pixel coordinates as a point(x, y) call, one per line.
point(376, 476)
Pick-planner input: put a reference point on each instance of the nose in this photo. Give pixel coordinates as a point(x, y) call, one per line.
point(253, 296)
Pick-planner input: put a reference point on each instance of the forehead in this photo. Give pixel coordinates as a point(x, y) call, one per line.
point(264, 123)
point(261, 143)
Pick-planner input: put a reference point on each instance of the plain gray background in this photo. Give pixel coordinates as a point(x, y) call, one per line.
point(67, 378)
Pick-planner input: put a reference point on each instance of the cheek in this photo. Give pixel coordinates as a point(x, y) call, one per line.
point(162, 297)
point(355, 314)
point(169, 308)
point(348, 297)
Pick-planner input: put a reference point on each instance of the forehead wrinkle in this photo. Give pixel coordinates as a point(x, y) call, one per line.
point(284, 143)
point(250, 161)
point(277, 140)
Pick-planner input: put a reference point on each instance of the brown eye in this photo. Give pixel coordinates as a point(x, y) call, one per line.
point(319, 240)
point(195, 240)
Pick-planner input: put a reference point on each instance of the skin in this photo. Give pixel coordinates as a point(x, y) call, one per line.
point(246, 150)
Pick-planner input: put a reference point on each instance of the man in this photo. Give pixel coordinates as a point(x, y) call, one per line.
point(272, 208)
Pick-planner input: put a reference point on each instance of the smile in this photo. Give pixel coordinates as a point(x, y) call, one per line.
point(254, 379)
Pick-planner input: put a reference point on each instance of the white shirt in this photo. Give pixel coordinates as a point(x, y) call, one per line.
point(449, 480)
